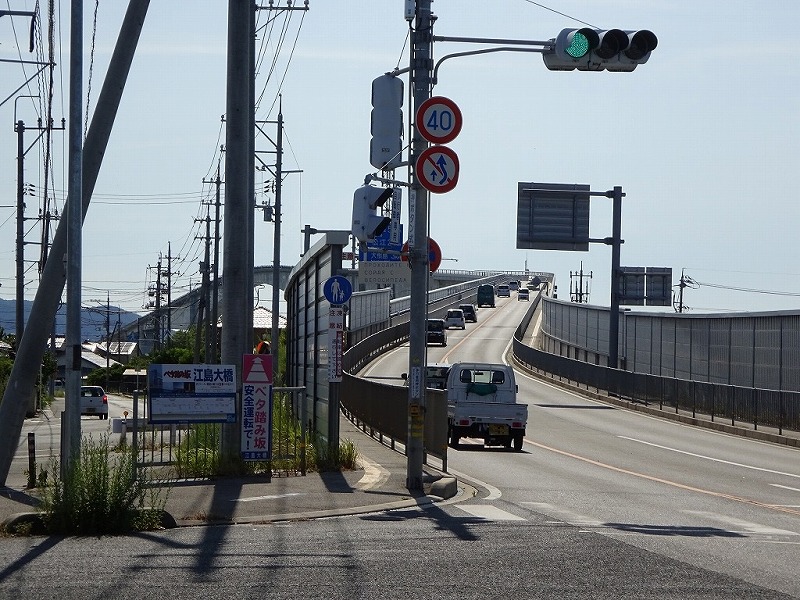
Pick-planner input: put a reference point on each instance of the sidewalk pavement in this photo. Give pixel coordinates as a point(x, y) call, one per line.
point(379, 485)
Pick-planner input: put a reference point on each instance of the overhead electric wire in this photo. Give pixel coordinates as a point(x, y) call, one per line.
point(552, 10)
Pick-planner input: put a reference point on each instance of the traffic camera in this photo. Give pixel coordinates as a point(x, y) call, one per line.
point(589, 49)
point(368, 222)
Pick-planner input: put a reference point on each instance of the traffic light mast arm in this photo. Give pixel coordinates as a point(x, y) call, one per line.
point(483, 51)
point(472, 40)
point(545, 46)
point(394, 182)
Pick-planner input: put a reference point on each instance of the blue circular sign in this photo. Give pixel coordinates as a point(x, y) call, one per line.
point(337, 289)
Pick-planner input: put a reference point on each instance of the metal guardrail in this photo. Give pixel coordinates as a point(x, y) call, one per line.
point(773, 408)
point(383, 409)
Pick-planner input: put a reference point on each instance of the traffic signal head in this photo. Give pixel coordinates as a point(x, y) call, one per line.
point(368, 222)
point(589, 49)
point(386, 124)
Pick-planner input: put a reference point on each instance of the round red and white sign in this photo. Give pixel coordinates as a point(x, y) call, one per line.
point(438, 120)
point(434, 254)
point(437, 169)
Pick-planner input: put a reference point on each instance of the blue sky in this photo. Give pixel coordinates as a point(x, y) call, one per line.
point(702, 139)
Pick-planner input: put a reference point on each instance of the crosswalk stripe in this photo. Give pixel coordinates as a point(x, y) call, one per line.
point(747, 526)
point(489, 512)
point(567, 516)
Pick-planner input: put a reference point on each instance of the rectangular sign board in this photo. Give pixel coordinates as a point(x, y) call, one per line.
point(658, 290)
point(257, 378)
point(645, 285)
point(383, 272)
point(631, 286)
point(335, 342)
point(383, 242)
point(191, 393)
point(553, 216)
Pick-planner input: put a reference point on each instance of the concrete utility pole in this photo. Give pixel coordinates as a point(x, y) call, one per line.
point(202, 320)
point(21, 382)
point(237, 298)
point(213, 307)
point(22, 191)
point(421, 69)
point(215, 289)
point(70, 446)
point(276, 251)
point(20, 315)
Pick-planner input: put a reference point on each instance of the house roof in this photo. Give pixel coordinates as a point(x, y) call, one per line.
point(262, 319)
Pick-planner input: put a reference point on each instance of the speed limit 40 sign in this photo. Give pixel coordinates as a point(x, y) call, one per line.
point(438, 120)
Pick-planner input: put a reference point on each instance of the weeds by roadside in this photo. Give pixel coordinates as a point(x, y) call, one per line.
point(100, 495)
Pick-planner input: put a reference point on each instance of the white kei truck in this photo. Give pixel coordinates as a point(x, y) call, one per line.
point(482, 403)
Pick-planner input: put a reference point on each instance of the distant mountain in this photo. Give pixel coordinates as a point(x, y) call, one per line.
point(93, 321)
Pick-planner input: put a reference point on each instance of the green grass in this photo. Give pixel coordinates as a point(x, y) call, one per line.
point(343, 457)
point(98, 494)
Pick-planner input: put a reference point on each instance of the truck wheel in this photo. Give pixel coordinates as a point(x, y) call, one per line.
point(518, 443)
point(454, 439)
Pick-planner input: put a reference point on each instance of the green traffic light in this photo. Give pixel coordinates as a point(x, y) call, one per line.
point(578, 45)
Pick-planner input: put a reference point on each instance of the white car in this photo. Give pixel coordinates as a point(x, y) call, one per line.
point(455, 318)
point(94, 401)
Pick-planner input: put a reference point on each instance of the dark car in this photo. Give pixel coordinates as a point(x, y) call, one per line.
point(485, 295)
point(470, 314)
point(436, 332)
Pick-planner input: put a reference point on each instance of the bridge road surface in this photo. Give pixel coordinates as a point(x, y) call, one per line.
point(714, 501)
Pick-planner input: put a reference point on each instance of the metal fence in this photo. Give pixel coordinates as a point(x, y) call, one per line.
point(382, 409)
point(774, 408)
point(191, 450)
point(757, 350)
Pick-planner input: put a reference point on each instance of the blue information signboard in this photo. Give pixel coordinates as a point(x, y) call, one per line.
point(384, 242)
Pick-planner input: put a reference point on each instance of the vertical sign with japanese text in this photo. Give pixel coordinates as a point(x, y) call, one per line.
point(256, 407)
point(335, 342)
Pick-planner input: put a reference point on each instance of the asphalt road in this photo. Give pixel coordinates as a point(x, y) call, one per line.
point(602, 503)
point(714, 501)
point(444, 552)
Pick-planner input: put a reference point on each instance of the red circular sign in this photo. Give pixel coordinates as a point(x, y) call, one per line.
point(439, 120)
point(434, 254)
point(437, 169)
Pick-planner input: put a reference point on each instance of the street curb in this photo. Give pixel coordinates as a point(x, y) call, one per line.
point(444, 487)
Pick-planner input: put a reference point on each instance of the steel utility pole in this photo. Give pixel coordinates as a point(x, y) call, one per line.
point(421, 68)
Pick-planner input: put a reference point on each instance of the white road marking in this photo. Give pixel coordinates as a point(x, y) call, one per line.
point(746, 526)
point(718, 460)
point(494, 493)
point(785, 487)
point(489, 512)
point(564, 516)
point(374, 474)
point(270, 497)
